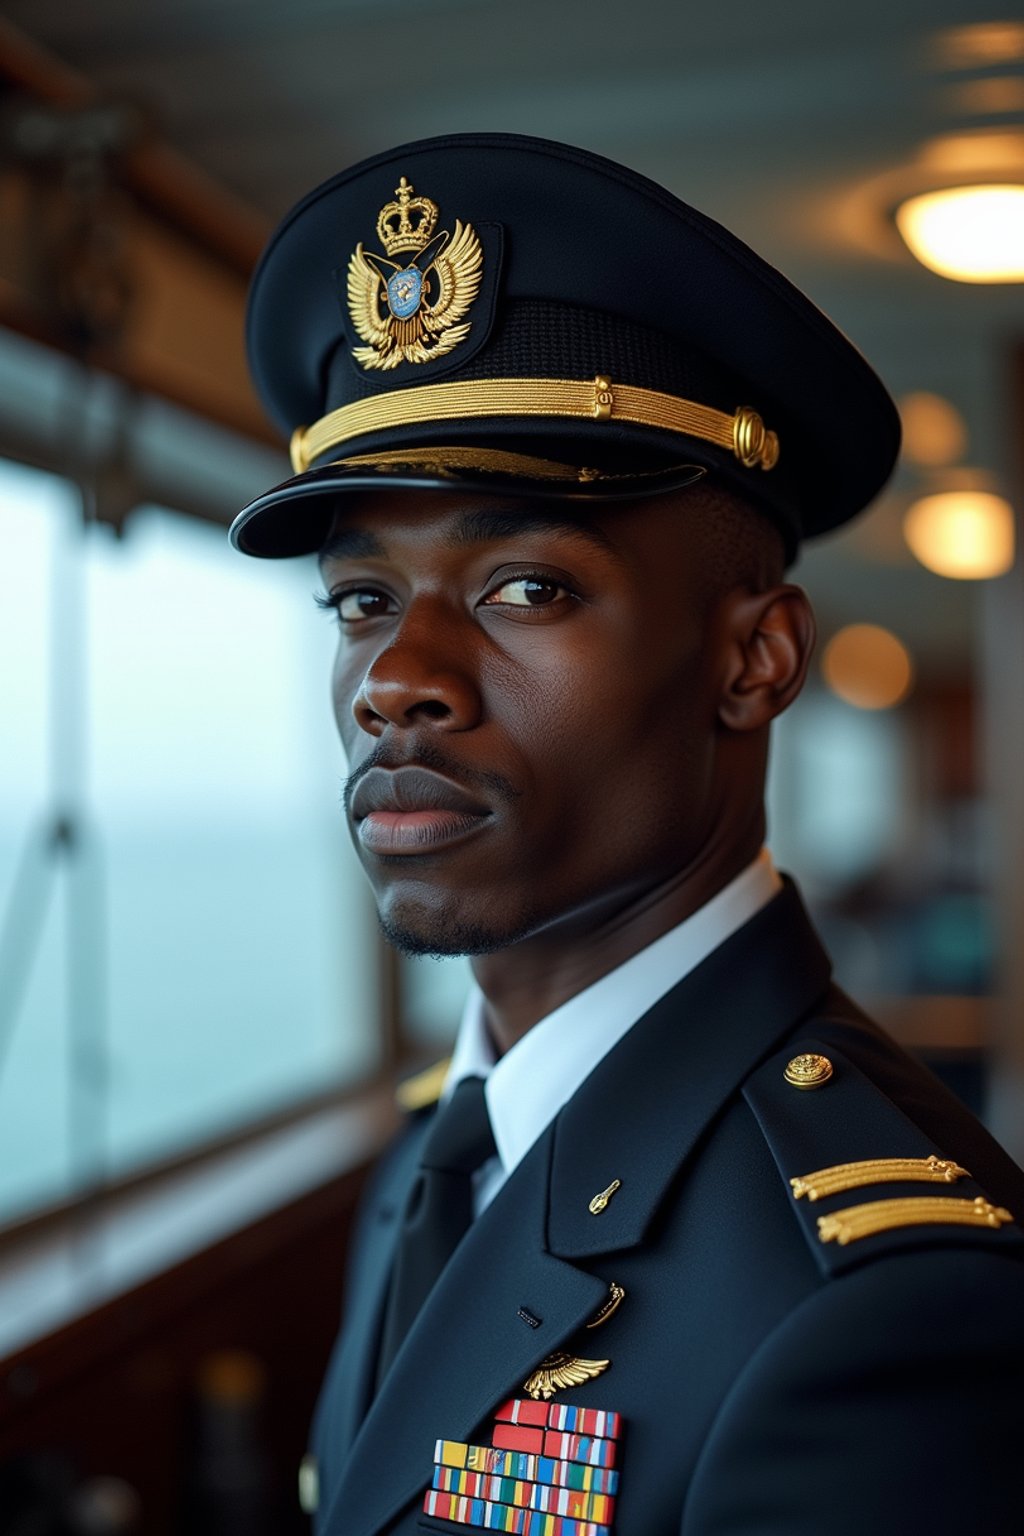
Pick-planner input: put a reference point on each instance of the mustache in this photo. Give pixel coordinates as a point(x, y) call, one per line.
point(426, 755)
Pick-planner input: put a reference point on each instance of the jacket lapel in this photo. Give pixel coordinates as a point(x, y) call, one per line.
point(468, 1350)
point(643, 1109)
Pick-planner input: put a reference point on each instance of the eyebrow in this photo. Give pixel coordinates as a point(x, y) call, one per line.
point(476, 527)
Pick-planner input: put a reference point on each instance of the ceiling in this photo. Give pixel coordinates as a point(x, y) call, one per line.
point(795, 125)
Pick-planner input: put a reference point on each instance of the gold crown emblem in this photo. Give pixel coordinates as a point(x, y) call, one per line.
point(409, 223)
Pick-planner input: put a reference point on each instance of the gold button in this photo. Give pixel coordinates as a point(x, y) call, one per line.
point(808, 1071)
point(603, 398)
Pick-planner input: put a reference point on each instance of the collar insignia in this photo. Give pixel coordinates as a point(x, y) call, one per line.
point(414, 312)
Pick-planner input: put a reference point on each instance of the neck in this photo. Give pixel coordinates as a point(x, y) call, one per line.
point(529, 980)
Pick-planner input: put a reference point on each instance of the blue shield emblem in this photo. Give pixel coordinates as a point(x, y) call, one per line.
point(405, 289)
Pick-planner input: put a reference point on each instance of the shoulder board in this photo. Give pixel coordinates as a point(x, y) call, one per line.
point(861, 1178)
point(423, 1089)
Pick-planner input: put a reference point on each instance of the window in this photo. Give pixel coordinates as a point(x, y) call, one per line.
point(186, 940)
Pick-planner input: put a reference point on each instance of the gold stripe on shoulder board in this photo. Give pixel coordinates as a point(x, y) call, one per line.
point(858, 1221)
point(877, 1170)
point(424, 1088)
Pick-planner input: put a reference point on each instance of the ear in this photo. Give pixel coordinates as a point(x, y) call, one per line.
point(769, 637)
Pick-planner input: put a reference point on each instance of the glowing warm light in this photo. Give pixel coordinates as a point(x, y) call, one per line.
point(979, 44)
point(933, 430)
point(867, 667)
point(990, 95)
point(971, 234)
point(964, 534)
point(862, 215)
point(977, 157)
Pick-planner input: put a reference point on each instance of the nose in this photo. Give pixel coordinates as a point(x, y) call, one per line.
point(424, 676)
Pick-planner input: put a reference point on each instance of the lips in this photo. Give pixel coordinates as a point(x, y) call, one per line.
point(411, 789)
point(412, 810)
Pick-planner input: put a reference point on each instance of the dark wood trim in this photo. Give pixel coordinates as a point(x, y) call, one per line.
point(115, 1393)
point(944, 1024)
point(164, 181)
point(148, 379)
point(114, 1327)
point(172, 195)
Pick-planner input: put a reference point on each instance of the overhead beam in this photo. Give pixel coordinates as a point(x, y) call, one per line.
point(188, 245)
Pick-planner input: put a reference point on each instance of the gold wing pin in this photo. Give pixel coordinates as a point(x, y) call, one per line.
point(560, 1371)
point(416, 312)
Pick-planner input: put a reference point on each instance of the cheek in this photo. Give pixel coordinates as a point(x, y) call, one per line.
point(346, 678)
point(543, 702)
point(610, 719)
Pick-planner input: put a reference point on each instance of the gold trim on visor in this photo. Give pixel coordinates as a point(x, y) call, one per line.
point(743, 433)
point(449, 461)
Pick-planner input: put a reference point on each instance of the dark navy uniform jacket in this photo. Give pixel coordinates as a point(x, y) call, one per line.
point(770, 1383)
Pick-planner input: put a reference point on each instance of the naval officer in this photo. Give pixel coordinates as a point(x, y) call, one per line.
point(686, 1245)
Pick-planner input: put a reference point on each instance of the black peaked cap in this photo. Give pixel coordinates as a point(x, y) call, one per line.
point(519, 316)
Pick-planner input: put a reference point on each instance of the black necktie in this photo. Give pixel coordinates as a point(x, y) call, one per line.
point(440, 1209)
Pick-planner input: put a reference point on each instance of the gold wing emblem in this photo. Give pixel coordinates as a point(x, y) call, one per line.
point(364, 294)
point(433, 296)
point(459, 268)
point(560, 1371)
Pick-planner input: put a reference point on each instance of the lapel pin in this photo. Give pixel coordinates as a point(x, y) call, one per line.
point(600, 1202)
point(610, 1307)
point(560, 1371)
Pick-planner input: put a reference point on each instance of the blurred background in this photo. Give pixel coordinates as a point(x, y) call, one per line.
point(199, 1026)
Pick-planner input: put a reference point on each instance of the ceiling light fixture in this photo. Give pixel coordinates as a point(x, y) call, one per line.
point(973, 234)
point(964, 534)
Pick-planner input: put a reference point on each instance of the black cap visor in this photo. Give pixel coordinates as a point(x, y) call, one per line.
point(294, 518)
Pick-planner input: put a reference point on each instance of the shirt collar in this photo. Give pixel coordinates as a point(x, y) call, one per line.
point(527, 1086)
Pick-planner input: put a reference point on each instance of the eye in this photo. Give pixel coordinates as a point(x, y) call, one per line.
point(528, 592)
point(357, 604)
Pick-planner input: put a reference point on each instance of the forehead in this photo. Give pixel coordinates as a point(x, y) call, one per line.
point(374, 526)
point(381, 525)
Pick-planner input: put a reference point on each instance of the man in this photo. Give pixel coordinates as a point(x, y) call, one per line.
point(689, 1246)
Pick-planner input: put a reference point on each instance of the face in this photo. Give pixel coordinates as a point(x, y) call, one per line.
point(528, 700)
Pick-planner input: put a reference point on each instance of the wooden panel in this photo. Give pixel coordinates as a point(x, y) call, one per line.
point(115, 1392)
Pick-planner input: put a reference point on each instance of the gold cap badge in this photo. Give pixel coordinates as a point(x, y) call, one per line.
point(808, 1070)
point(416, 312)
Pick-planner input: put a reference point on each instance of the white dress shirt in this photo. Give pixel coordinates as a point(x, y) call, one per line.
point(527, 1086)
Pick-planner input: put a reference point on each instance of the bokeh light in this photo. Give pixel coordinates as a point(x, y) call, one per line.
point(964, 534)
point(971, 234)
point(933, 430)
point(868, 667)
